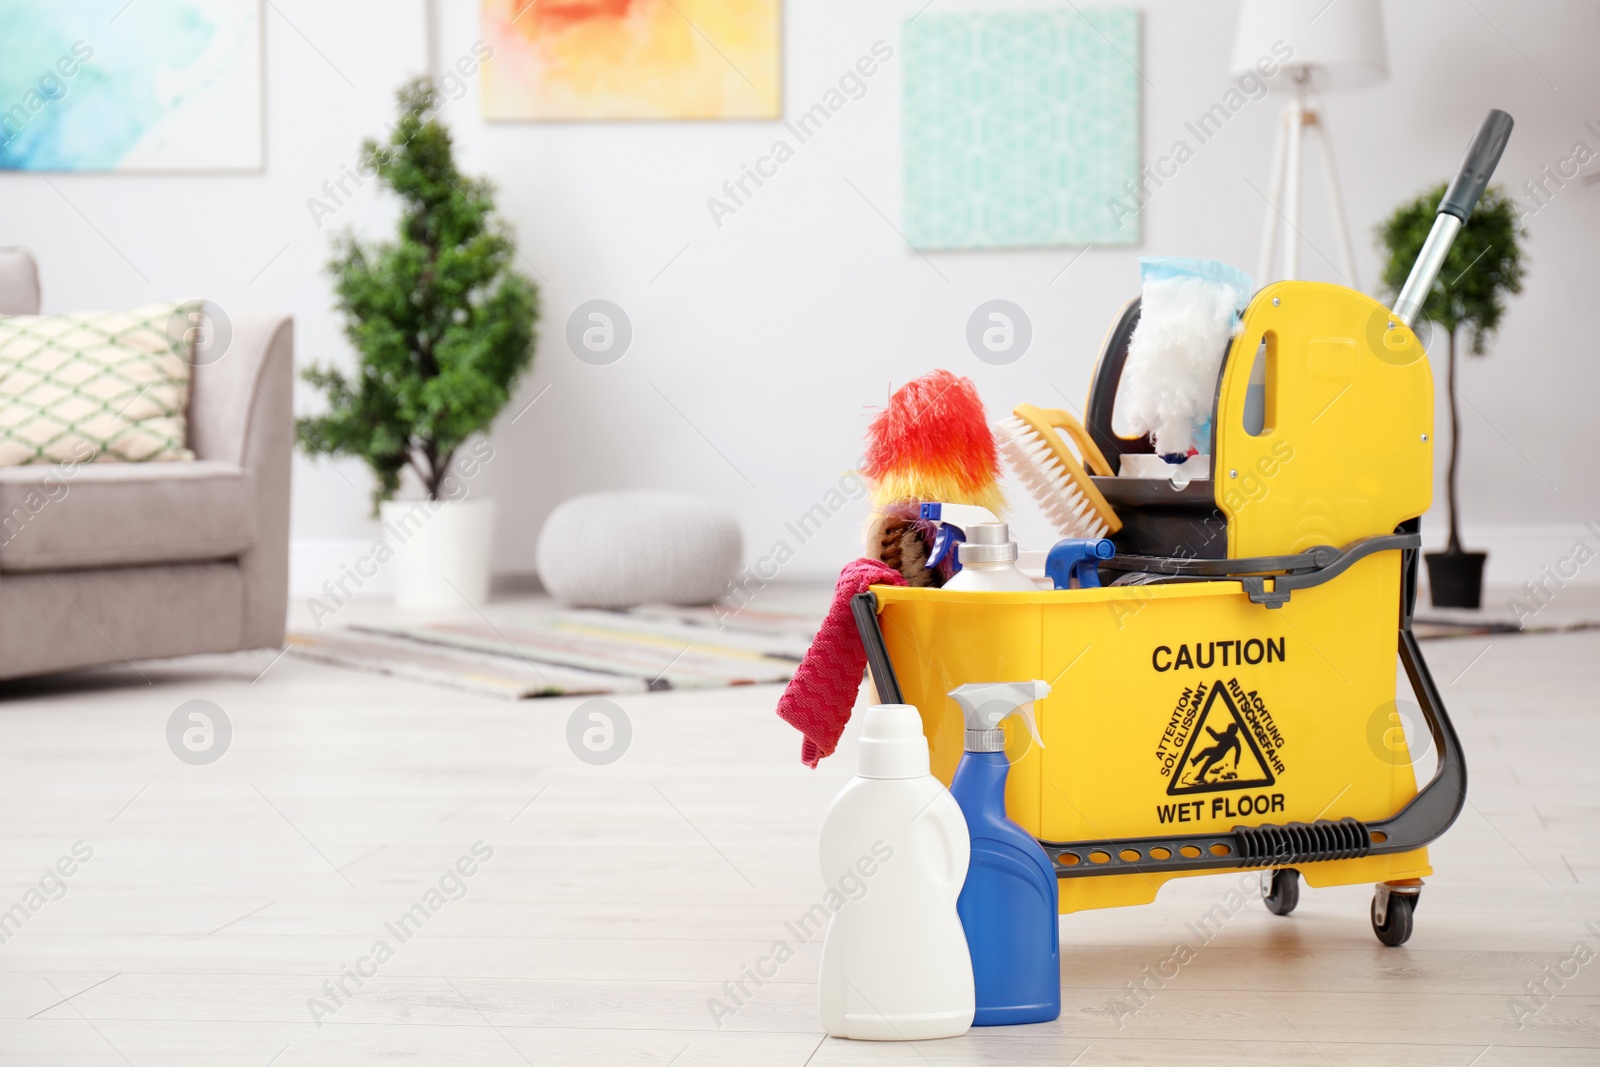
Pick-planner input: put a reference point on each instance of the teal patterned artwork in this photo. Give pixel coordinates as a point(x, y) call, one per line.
point(130, 85)
point(1021, 127)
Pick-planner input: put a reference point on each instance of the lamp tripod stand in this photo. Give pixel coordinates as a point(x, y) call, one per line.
point(1283, 197)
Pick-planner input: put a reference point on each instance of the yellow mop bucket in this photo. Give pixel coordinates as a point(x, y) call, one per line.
point(1188, 730)
point(1234, 705)
point(1239, 711)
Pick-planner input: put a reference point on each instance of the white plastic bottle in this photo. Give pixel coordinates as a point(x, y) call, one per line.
point(989, 561)
point(895, 965)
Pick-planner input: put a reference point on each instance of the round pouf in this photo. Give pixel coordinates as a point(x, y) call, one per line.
point(639, 546)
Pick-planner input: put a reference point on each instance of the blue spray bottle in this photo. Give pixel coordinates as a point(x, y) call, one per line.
point(1009, 903)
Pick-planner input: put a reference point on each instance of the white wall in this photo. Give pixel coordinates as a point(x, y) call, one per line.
point(761, 350)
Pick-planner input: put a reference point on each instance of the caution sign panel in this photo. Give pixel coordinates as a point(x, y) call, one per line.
point(1219, 737)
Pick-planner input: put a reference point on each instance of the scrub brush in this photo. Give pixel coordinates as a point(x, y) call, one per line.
point(901, 538)
point(932, 442)
point(1055, 476)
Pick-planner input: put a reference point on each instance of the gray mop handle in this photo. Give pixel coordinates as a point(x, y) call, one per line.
point(1477, 166)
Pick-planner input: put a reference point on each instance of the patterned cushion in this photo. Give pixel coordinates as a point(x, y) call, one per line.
point(117, 381)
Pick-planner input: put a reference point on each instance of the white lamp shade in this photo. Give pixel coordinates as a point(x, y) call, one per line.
point(1338, 44)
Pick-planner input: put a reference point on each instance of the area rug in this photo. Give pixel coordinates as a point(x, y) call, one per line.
point(572, 653)
point(1438, 629)
point(567, 653)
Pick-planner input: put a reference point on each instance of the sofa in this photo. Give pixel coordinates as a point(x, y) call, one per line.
point(109, 563)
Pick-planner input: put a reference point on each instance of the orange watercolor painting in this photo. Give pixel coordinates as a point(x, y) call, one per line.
point(631, 59)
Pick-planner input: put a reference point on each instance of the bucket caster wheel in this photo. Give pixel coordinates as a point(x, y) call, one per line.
point(1392, 910)
point(1280, 890)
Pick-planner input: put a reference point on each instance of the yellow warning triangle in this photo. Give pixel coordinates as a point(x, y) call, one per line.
point(1220, 754)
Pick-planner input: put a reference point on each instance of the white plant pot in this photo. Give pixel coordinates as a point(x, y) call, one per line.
point(441, 551)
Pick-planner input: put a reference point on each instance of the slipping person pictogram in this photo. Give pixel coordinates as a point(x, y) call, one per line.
point(1220, 753)
point(1227, 744)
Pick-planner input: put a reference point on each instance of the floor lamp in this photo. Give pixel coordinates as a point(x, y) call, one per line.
point(1331, 46)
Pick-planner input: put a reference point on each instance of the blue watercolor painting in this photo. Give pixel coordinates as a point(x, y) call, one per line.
point(114, 85)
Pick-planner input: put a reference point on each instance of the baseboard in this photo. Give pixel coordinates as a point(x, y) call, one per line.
point(1517, 553)
point(1566, 553)
point(515, 583)
point(316, 563)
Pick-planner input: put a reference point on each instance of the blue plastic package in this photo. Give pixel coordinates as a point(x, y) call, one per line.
point(1159, 268)
point(1009, 905)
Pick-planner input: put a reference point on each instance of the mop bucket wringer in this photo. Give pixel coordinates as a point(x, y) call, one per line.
point(1232, 704)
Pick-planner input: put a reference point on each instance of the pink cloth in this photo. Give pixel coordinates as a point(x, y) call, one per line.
point(823, 689)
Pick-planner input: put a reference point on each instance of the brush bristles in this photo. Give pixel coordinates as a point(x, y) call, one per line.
point(1040, 470)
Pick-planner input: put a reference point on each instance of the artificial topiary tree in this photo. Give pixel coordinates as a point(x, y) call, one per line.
point(441, 322)
point(1483, 267)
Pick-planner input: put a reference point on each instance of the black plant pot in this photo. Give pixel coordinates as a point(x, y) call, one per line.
point(1455, 579)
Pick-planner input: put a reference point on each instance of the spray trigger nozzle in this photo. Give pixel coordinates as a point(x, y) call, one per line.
point(1077, 559)
point(953, 520)
point(985, 705)
point(944, 543)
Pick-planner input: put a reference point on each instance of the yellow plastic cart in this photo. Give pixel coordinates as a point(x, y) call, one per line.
point(1231, 703)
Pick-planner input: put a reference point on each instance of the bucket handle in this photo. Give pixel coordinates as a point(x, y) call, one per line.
point(1303, 570)
point(864, 606)
point(1477, 166)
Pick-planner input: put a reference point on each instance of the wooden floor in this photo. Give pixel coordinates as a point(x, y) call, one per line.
point(619, 899)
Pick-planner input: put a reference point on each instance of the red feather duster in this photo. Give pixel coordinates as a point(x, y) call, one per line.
point(933, 443)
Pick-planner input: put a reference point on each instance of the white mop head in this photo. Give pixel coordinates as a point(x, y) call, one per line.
point(1170, 379)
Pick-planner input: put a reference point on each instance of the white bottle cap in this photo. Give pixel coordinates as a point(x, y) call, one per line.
point(987, 542)
point(892, 745)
